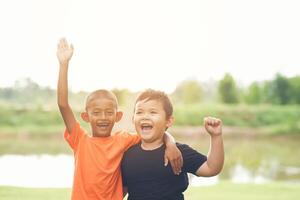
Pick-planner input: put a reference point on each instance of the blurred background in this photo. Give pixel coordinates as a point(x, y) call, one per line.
point(235, 60)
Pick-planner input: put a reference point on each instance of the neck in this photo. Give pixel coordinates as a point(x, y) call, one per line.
point(152, 145)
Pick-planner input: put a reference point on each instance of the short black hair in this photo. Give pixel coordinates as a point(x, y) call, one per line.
point(101, 94)
point(150, 94)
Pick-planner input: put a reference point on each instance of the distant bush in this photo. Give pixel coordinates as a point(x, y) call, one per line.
point(275, 119)
point(238, 115)
point(19, 117)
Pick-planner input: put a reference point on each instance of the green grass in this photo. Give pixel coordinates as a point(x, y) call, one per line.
point(15, 193)
point(221, 191)
point(231, 191)
point(274, 119)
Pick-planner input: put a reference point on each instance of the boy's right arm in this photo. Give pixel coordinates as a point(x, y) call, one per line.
point(64, 54)
point(215, 158)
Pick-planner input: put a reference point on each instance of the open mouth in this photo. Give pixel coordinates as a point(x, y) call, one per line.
point(146, 127)
point(103, 126)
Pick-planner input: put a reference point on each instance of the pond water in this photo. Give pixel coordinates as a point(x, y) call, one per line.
point(56, 171)
point(36, 170)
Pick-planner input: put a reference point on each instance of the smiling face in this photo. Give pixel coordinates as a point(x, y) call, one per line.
point(101, 112)
point(150, 121)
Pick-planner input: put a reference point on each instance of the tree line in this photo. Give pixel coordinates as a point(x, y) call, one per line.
point(280, 90)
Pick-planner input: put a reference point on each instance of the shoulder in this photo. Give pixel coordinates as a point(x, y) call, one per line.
point(132, 154)
point(122, 133)
point(192, 159)
point(76, 130)
point(125, 135)
point(183, 147)
point(187, 151)
point(134, 148)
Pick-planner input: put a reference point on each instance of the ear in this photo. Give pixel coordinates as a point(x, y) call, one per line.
point(119, 116)
point(85, 116)
point(170, 121)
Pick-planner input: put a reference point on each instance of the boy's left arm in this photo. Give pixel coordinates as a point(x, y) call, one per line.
point(215, 158)
point(172, 154)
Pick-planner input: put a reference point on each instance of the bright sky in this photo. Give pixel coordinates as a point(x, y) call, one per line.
point(138, 44)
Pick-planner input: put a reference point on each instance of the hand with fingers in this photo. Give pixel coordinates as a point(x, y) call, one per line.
point(64, 51)
point(213, 126)
point(174, 156)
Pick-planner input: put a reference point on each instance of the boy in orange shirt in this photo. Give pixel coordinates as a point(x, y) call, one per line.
point(97, 173)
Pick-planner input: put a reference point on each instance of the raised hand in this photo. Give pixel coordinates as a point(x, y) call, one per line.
point(64, 51)
point(213, 126)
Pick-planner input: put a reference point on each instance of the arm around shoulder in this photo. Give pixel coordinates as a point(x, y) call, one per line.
point(172, 154)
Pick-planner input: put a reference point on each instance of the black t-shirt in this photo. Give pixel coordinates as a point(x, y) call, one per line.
point(147, 178)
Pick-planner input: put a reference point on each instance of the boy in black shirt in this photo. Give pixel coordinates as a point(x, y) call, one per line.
point(142, 171)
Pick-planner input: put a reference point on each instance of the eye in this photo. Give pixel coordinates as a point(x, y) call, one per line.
point(138, 112)
point(153, 112)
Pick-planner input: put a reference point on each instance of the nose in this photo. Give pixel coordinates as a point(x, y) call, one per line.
point(145, 116)
point(102, 115)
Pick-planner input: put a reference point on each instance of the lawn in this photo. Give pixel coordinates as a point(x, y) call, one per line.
point(231, 191)
point(222, 191)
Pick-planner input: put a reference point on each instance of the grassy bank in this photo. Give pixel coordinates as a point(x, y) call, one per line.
point(272, 119)
point(222, 191)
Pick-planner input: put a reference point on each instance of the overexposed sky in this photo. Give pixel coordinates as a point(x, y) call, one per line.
point(138, 44)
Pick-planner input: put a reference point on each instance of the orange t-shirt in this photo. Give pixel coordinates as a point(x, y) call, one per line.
point(97, 174)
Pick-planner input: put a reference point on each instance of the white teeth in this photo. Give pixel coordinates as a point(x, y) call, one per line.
point(102, 125)
point(146, 127)
point(146, 124)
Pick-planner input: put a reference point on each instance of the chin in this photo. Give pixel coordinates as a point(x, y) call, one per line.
point(146, 138)
point(102, 135)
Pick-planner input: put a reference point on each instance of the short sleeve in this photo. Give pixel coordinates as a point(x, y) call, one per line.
point(192, 159)
point(129, 140)
point(74, 136)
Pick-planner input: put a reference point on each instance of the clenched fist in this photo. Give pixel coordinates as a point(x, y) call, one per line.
point(213, 126)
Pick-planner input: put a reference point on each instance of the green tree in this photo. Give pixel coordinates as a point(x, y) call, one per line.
point(26, 92)
point(122, 95)
point(254, 94)
point(227, 89)
point(188, 92)
point(295, 89)
point(267, 96)
point(7, 94)
point(280, 90)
